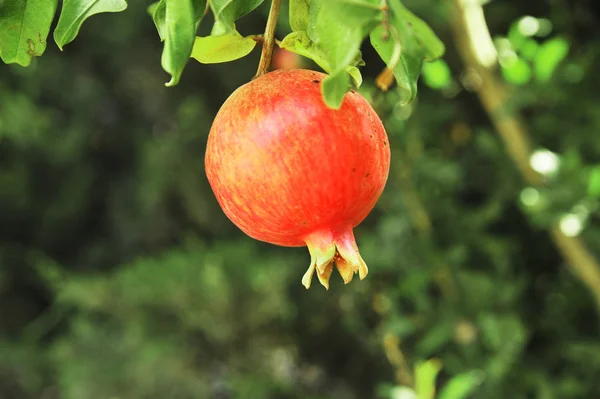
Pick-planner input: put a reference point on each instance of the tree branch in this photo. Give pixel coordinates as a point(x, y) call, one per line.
point(268, 39)
point(474, 43)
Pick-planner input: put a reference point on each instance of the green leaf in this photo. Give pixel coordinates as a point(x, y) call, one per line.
point(299, 14)
point(433, 48)
point(157, 11)
point(517, 72)
point(529, 49)
point(199, 7)
point(179, 35)
point(594, 182)
point(24, 27)
point(225, 48)
point(75, 12)
point(408, 43)
point(356, 76)
point(548, 56)
point(436, 74)
point(461, 386)
point(334, 88)
point(406, 67)
point(152, 8)
point(228, 11)
point(158, 16)
point(299, 43)
point(337, 28)
point(425, 376)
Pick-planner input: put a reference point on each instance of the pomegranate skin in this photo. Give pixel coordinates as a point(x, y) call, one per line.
point(290, 171)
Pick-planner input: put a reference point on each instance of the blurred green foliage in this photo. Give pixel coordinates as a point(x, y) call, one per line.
point(120, 277)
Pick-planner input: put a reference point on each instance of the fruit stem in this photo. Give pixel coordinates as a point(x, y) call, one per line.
point(268, 39)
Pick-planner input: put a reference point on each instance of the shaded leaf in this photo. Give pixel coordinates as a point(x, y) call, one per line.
point(408, 43)
point(594, 182)
point(432, 47)
point(157, 11)
point(529, 49)
point(228, 11)
point(406, 67)
point(299, 43)
point(299, 14)
point(435, 337)
point(224, 48)
point(338, 28)
point(548, 56)
point(334, 87)
point(461, 386)
point(506, 335)
point(517, 72)
point(75, 12)
point(355, 75)
point(179, 34)
point(199, 7)
point(158, 16)
point(24, 27)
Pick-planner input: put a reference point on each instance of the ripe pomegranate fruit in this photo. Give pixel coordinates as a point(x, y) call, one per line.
point(284, 59)
point(288, 170)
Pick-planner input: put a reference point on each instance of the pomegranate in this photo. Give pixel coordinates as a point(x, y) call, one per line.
point(290, 171)
point(284, 59)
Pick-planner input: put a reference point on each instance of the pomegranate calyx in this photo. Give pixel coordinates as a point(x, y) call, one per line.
point(328, 249)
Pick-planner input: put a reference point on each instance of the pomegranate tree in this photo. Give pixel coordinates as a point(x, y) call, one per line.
point(288, 170)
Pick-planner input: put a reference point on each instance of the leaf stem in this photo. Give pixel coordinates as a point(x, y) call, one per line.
point(268, 39)
point(386, 78)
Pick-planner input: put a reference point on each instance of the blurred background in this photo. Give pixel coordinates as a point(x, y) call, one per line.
point(120, 277)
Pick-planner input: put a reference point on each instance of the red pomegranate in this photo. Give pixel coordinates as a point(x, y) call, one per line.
point(288, 170)
point(285, 59)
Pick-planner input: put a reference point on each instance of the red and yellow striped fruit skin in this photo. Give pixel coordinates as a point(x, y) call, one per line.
point(288, 170)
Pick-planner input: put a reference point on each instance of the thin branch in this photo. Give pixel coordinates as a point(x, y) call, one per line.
point(268, 39)
point(473, 41)
point(391, 345)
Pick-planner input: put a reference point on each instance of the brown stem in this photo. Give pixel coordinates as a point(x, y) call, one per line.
point(391, 345)
point(268, 39)
point(474, 45)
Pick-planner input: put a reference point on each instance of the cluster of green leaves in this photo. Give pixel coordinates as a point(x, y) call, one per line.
point(25, 25)
point(152, 360)
point(330, 32)
point(523, 58)
point(425, 374)
point(572, 205)
point(530, 58)
point(177, 22)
